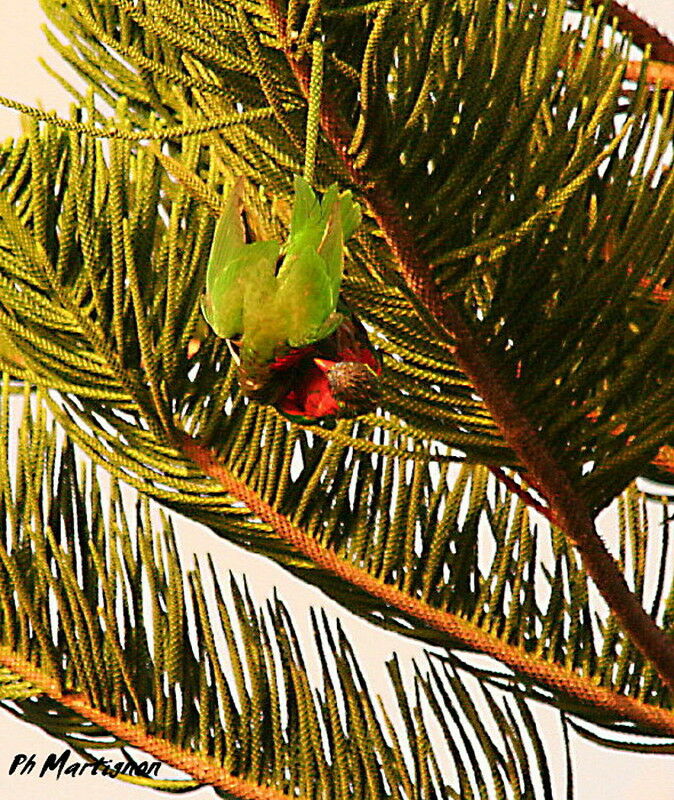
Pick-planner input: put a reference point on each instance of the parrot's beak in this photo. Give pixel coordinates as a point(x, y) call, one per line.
point(324, 365)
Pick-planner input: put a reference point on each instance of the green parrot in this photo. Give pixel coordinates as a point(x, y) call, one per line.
point(296, 343)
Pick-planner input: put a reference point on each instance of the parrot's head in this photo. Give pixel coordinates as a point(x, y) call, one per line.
point(354, 385)
point(325, 389)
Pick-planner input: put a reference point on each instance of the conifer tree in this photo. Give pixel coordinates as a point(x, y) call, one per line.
point(513, 271)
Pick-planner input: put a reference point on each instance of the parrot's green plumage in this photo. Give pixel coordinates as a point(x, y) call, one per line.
point(247, 297)
point(279, 305)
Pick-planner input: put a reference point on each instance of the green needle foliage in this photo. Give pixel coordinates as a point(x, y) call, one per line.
point(198, 665)
point(518, 215)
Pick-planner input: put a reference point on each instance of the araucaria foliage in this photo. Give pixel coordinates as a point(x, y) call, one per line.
point(512, 271)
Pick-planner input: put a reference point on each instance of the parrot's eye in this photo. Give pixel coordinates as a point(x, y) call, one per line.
point(248, 231)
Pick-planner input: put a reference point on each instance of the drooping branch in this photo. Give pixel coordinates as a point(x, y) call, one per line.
point(569, 511)
point(198, 765)
point(554, 676)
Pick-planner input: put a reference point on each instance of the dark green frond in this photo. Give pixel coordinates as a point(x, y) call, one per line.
point(513, 202)
point(532, 188)
point(103, 272)
point(150, 666)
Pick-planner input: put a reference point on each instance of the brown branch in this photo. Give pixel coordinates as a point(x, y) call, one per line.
point(568, 508)
point(641, 31)
point(520, 491)
point(200, 766)
point(555, 676)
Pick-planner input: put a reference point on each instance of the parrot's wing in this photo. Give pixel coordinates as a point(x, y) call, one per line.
point(331, 250)
point(306, 225)
point(296, 306)
point(306, 208)
point(327, 202)
point(229, 236)
point(349, 210)
point(323, 226)
point(304, 298)
point(351, 215)
point(342, 211)
point(223, 304)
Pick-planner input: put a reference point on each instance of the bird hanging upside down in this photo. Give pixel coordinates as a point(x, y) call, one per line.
point(296, 344)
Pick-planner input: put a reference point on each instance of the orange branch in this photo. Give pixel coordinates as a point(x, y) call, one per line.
point(200, 766)
point(655, 71)
point(533, 665)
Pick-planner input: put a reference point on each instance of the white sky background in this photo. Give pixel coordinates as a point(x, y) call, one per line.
point(599, 773)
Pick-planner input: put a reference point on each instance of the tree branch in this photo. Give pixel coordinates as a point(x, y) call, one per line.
point(656, 71)
point(201, 767)
point(568, 508)
point(642, 32)
point(553, 675)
